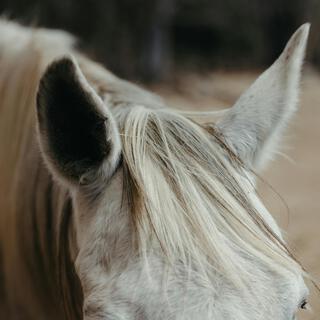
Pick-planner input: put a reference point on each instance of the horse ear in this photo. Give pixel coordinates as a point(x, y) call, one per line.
point(78, 135)
point(254, 125)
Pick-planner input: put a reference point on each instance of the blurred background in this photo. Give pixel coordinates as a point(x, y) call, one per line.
point(203, 54)
point(148, 39)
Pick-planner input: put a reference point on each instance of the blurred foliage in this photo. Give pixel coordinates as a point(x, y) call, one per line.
point(149, 38)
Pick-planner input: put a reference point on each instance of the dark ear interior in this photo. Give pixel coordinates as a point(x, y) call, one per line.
point(73, 130)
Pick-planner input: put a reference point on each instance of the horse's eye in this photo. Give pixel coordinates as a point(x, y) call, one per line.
point(304, 305)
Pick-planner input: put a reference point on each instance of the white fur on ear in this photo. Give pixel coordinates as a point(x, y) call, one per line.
point(254, 125)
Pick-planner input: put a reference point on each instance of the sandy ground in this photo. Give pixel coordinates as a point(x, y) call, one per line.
point(293, 194)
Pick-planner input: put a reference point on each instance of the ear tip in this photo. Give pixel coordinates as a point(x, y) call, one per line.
point(60, 68)
point(62, 64)
point(305, 27)
point(303, 32)
point(296, 46)
point(67, 58)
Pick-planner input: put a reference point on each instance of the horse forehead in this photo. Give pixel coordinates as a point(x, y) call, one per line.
point(279, 292)
point(277, 297)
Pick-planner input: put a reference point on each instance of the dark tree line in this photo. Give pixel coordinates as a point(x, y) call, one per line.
point(149, 38)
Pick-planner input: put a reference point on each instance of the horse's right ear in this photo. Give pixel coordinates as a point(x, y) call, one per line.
point(78, 135)
point(254, 126)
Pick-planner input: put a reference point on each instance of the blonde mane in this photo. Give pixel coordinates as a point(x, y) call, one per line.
point(192, 197)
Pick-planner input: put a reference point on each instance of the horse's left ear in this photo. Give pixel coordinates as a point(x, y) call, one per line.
point(78, 136)
point(255, 124)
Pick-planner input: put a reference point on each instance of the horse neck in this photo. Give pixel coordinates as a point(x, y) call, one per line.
point(36, 244)
point(32, 242)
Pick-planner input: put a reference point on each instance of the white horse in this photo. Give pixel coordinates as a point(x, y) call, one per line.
point(116, 207)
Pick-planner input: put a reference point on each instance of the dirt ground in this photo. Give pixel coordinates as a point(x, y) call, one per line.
point(292, 191)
